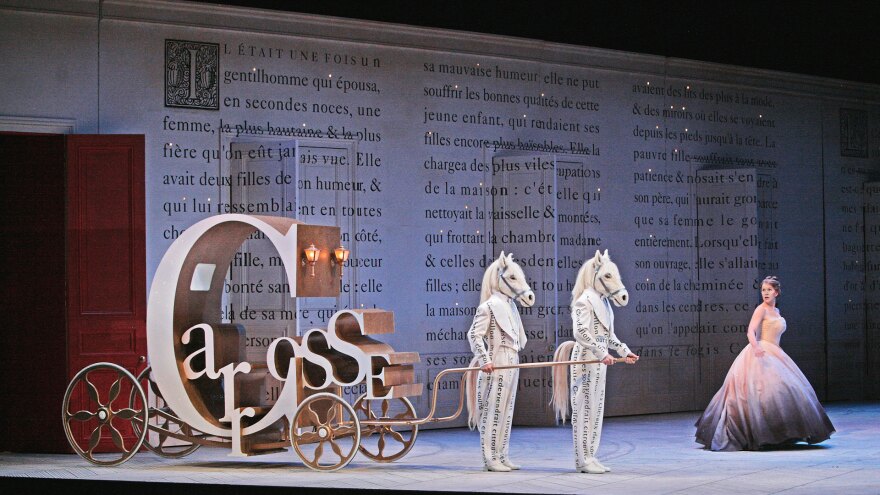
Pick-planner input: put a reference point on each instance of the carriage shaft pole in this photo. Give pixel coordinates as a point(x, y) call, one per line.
point(430, 417)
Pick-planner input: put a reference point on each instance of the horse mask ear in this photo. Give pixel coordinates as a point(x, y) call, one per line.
point(503, 259)
point(598, 257)
point(605, 255)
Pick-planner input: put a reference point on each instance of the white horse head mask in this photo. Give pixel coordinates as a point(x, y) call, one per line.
point(600, 273)
point(505, 275)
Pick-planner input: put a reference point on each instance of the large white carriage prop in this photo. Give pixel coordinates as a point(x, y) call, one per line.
point(200, 390)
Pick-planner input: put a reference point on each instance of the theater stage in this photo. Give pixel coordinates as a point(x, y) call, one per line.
point(648, 454)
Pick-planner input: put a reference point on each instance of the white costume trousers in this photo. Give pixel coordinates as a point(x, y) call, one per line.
point(496, 397)
point(587, 405)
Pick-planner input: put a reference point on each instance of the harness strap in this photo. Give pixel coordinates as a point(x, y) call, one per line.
point(502, 279)
point(608, 292)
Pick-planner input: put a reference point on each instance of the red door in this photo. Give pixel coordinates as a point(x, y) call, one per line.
point(73, 281)
point(106, 264)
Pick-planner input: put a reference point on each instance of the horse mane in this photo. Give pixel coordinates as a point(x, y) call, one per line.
point(490, 281)
point(583, 280)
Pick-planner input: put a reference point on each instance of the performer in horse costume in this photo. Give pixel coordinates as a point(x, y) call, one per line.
point(496, 337)
point(598, 281)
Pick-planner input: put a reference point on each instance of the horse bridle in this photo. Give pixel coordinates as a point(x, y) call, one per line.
point(608, 292)
point(516, 292)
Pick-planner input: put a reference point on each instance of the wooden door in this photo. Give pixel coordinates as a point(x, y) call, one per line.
point(106, 260)
point(727, 251)
point(255, 182)
point(73, 286)
point(526, 183)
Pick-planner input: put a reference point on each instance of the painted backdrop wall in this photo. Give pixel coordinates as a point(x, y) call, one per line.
point(435, 150)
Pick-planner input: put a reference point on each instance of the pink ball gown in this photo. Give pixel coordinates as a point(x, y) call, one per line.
point(764, 401)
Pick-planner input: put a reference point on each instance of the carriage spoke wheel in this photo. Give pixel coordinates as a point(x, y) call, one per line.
point(157, 440)
point(98, 417)
point(325, 422)
point(386, 443)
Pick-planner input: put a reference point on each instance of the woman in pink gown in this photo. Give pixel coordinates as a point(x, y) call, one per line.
point(765, 399)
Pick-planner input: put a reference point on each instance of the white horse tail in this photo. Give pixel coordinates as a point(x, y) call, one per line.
point(560, 399)
point(470, 392)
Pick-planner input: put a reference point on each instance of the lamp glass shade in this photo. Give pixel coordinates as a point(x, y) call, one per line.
point(341, 254)
point(311, 253)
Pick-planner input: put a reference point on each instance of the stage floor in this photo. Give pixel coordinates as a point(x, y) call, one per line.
point(647, 454)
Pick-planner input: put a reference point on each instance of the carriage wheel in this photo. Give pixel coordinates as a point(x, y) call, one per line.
point(99, 416)
point(386, 443)
point(325, 420)
point(157, 441)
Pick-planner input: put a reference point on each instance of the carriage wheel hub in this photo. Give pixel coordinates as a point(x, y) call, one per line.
point(323, 433)
point(103, 415)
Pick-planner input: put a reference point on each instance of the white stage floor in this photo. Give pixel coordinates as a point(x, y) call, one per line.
point(648, 455)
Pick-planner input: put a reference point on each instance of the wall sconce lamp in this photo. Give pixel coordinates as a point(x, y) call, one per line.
point(340, 254)
point(311, 255)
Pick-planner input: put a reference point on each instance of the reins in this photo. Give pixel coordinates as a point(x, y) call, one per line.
point(608, 292)
point(517, 293)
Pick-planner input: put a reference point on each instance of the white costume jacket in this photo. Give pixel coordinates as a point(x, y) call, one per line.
point(593, 323)
point(496, 336)
point(594, 326)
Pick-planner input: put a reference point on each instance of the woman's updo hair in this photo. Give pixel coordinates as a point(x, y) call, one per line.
point(772, 281)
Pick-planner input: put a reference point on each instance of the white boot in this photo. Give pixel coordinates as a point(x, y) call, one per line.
point(591, 467)
point(497, 467)
point(510, 465)
point(606, 468)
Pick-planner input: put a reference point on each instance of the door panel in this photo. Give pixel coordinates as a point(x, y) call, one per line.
point(525, 186)
point(257, 263)
point(726, 251)
point(106, 258)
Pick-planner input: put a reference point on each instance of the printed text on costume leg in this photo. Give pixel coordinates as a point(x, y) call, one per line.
point(600, 409)
point(578, 375)
point(486, 419)
point(588, 409)
point(508, 408)
point(596, 398)
point(497, 401)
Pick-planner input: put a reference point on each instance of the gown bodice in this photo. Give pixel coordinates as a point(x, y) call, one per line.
point(772, 328)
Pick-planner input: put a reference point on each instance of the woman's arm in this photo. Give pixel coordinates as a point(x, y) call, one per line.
point(757, 318)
